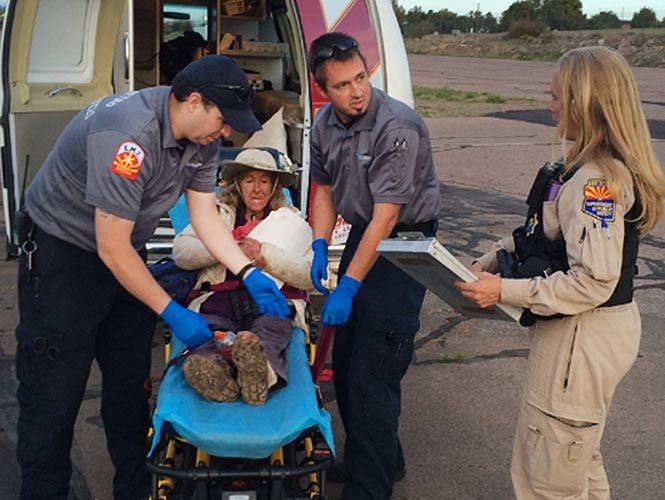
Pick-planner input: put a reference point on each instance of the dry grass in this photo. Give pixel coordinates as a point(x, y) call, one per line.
point(442, 102)
point(641, 47)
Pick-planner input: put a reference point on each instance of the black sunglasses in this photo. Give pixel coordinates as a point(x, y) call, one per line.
point(242, 93)
point(326, 52)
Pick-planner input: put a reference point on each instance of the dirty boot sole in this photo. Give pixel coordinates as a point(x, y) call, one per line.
point(250, 360)
point(210, 378)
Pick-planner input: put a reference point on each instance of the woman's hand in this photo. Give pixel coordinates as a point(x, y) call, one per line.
point(485, 292)
point(252, 249)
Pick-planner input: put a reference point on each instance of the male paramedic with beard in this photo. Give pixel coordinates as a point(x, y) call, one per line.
point(372, 160)
point(84, 290)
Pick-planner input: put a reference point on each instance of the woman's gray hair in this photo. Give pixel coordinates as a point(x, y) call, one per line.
point(230, 193)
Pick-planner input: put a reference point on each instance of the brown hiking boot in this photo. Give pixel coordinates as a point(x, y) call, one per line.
point(250, 360)
point(211, 376)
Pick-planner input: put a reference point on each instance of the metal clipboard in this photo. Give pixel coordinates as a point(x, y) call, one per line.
point(429, 263)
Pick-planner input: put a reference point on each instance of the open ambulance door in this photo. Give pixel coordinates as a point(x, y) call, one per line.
point(57, 57)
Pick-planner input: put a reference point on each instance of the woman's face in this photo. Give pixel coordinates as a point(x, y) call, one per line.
point(556, 100)
point(255, 189)
point(556, 107)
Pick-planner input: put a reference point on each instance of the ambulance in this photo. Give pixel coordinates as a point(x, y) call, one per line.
point(58, 56)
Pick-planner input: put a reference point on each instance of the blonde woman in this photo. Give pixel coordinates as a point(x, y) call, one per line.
point(571, 268)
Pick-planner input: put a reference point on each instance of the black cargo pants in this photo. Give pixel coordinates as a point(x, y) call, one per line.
point(371, 355)
point(72, 310)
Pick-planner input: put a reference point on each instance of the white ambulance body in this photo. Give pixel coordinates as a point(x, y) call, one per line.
point(60, 55)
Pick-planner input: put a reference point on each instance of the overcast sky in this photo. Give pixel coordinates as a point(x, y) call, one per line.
point(496, 7)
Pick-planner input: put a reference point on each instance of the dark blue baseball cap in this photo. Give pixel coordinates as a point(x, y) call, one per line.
point(222, 81)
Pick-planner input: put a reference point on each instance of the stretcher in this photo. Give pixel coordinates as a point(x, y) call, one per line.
point(234, 451)
point(238, 451)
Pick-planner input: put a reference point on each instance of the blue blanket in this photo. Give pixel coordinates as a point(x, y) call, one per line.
point(237, 429)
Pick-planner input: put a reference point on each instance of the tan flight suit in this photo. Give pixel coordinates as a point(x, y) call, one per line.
point(576, 362)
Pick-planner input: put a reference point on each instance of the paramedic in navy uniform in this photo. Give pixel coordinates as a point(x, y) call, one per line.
point(372, 161)
point(85, 292)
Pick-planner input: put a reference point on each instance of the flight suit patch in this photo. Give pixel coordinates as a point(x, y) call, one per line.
point(128, 160)
point(598, 201)
point(531, 225)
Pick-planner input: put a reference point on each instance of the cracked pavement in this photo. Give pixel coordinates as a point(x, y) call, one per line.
point(462, 391)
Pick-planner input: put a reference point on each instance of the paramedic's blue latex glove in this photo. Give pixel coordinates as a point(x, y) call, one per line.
point(266, 295)
point(190, 327)
point(337, 309)
point(319, 270)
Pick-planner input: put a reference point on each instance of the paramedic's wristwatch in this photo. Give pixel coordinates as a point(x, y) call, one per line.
point(242, 274)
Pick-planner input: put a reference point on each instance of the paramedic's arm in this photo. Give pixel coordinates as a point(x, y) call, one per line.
point(384, 218)
point(115, 249)
point(324, 214)
point(214, 234)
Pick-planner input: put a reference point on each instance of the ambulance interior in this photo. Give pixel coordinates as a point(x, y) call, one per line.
point(261, 35)
point(51, 73)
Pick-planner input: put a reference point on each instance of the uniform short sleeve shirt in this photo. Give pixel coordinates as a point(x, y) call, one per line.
point(119, 154)
point(383, 157)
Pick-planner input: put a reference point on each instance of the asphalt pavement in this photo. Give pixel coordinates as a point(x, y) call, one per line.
point(461, 393)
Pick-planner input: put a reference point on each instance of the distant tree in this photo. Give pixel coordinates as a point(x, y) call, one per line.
point(400, 14)
point(523, 9)
point(465, 23)
point(445, 21)
point(476, 18)
point(605, 20)
point(490, 23)
point(645, 18)
point(418, 23)
point(563, 14)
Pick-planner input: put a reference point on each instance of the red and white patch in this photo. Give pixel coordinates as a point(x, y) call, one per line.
point(128, 160)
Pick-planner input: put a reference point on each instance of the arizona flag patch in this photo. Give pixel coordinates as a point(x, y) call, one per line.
point(128, 160)
point(598, 201)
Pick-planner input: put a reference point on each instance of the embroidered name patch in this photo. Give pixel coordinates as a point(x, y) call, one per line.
point(598, 201)
point(128, 160)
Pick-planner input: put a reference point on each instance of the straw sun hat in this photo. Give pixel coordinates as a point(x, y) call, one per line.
point(255, 159)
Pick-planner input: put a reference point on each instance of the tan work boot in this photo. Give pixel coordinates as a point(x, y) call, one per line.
point(210, 376)
point(250, 360)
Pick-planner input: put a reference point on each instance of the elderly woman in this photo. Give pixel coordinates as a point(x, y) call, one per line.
point(252, 202)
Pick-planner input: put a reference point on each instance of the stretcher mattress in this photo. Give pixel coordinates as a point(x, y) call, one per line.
point(236, 429)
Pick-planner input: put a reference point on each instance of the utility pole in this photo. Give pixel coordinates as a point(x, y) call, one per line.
point(477, 16)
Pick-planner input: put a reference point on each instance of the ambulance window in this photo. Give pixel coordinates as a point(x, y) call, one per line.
point(73, 59)
point(284, 27)
point(179, 18)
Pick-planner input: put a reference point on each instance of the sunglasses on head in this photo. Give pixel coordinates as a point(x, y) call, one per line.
point(326, 52)
point(242, 93)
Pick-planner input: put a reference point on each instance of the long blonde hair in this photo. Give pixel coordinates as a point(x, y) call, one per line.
point(600, 99)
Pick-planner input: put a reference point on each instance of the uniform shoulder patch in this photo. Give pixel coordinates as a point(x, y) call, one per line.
point(128, 160)
point(598, 201)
